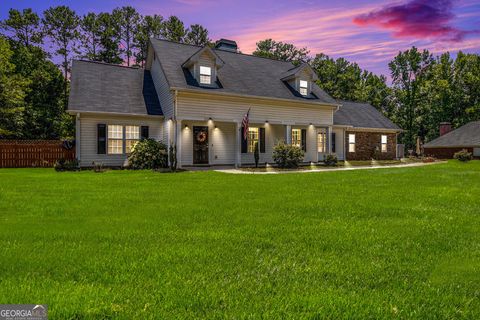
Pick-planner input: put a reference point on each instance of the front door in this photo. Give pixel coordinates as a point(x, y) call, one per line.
point(200, 145)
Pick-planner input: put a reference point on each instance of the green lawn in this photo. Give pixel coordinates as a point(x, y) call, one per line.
point(385, 243)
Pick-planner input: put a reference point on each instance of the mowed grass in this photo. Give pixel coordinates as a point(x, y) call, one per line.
point(378, 244)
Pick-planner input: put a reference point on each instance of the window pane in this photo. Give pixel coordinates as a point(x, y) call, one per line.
point(384, 147)
point(303, 84)
point(303, 91)
point(351, 147)
point(205, 79)
point(132, 132)
point(115, 146)
point(205, 71)
point(297, 137)
point(129, 145)
point(115, 132)
point(384, 139)
point(252, 139)
point(321, 142)
point(351, 138)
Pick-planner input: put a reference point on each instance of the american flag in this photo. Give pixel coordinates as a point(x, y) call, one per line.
point(245, 124)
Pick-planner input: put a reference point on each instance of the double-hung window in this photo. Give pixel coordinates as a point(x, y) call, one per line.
point(297, 137)
point(252, 139)
point(303, 87)
point(321, 142)
point(351, 142)
point(205, 75)
point(384, 143)
point(132, 135)
point(115, 139)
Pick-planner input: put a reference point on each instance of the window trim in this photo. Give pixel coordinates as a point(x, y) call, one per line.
point(251, 142)
point(301, 88)
point(110, 139)
point(127, 150)
point(351, 143)
point(299, 139)
point(205, 75)
point(384, 144)
point(322, 134)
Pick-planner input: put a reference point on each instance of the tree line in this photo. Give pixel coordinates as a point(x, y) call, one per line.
point(424, 91)
point(34, 92)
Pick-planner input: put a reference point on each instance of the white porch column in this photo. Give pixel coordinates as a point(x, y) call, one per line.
point(238, 144)
point(288, 134)
point(315, 132)
point(178, 139)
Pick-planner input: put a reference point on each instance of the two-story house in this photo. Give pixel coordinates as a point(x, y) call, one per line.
point(196, 98)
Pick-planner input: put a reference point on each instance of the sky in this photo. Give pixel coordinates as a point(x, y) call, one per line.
point(370, 32)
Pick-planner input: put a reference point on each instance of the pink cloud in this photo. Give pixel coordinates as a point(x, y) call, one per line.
point(420, 19)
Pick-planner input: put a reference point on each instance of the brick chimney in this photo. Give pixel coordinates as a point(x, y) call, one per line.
point(445, 127)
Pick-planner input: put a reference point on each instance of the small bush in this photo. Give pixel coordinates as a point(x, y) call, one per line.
point(331, 160)
point(287, 156)
point(148, 154)
point(463, 155)
point(66, 165)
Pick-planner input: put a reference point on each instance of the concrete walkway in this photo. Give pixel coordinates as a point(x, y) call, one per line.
point(407, 165)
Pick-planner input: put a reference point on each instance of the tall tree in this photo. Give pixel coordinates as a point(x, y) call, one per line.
point(174, 29)
point(281, 51)
point(44, 114)
point(127, 19)
point(61, 25)
point(109, 51)
point(149, 27)
point(90, 36)
point(12, 93)
point(409, 70)
point(24, 26)
point(197, 35)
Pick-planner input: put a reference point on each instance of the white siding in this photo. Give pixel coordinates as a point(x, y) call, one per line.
point(225, 108)
point(88, 136)
point(161, 86)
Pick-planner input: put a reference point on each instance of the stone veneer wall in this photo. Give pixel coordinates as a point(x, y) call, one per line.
point(366, 144)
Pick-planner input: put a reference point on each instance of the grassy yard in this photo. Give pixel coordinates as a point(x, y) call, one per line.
point(385, 243)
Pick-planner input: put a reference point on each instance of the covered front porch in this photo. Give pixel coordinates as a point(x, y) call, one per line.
point(218, 142)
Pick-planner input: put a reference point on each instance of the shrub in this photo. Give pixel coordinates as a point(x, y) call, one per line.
point(148, 154)
point(330, 160)
point(66, 165)
point(287, 156)
point(463, 155)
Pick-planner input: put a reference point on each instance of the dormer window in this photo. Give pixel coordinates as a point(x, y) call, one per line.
point(205, 75)
point(303, 87)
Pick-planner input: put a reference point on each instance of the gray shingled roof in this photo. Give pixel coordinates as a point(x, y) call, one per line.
point(100, 87)
point(241, 74)
point(465, 136)
point(361, 115)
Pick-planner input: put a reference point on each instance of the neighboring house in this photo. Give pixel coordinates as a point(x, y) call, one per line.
point(466, 137)
point(196, 97)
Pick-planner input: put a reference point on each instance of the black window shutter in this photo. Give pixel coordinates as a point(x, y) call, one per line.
point(244, 142)
point(262, 140)
point(144, 132)
point(304, 140)
point(101, 138)
point(333, 142)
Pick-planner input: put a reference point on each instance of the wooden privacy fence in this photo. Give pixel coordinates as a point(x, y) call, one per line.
point(33, 153)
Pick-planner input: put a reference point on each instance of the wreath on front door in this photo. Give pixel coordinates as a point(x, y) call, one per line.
point(201, 136)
